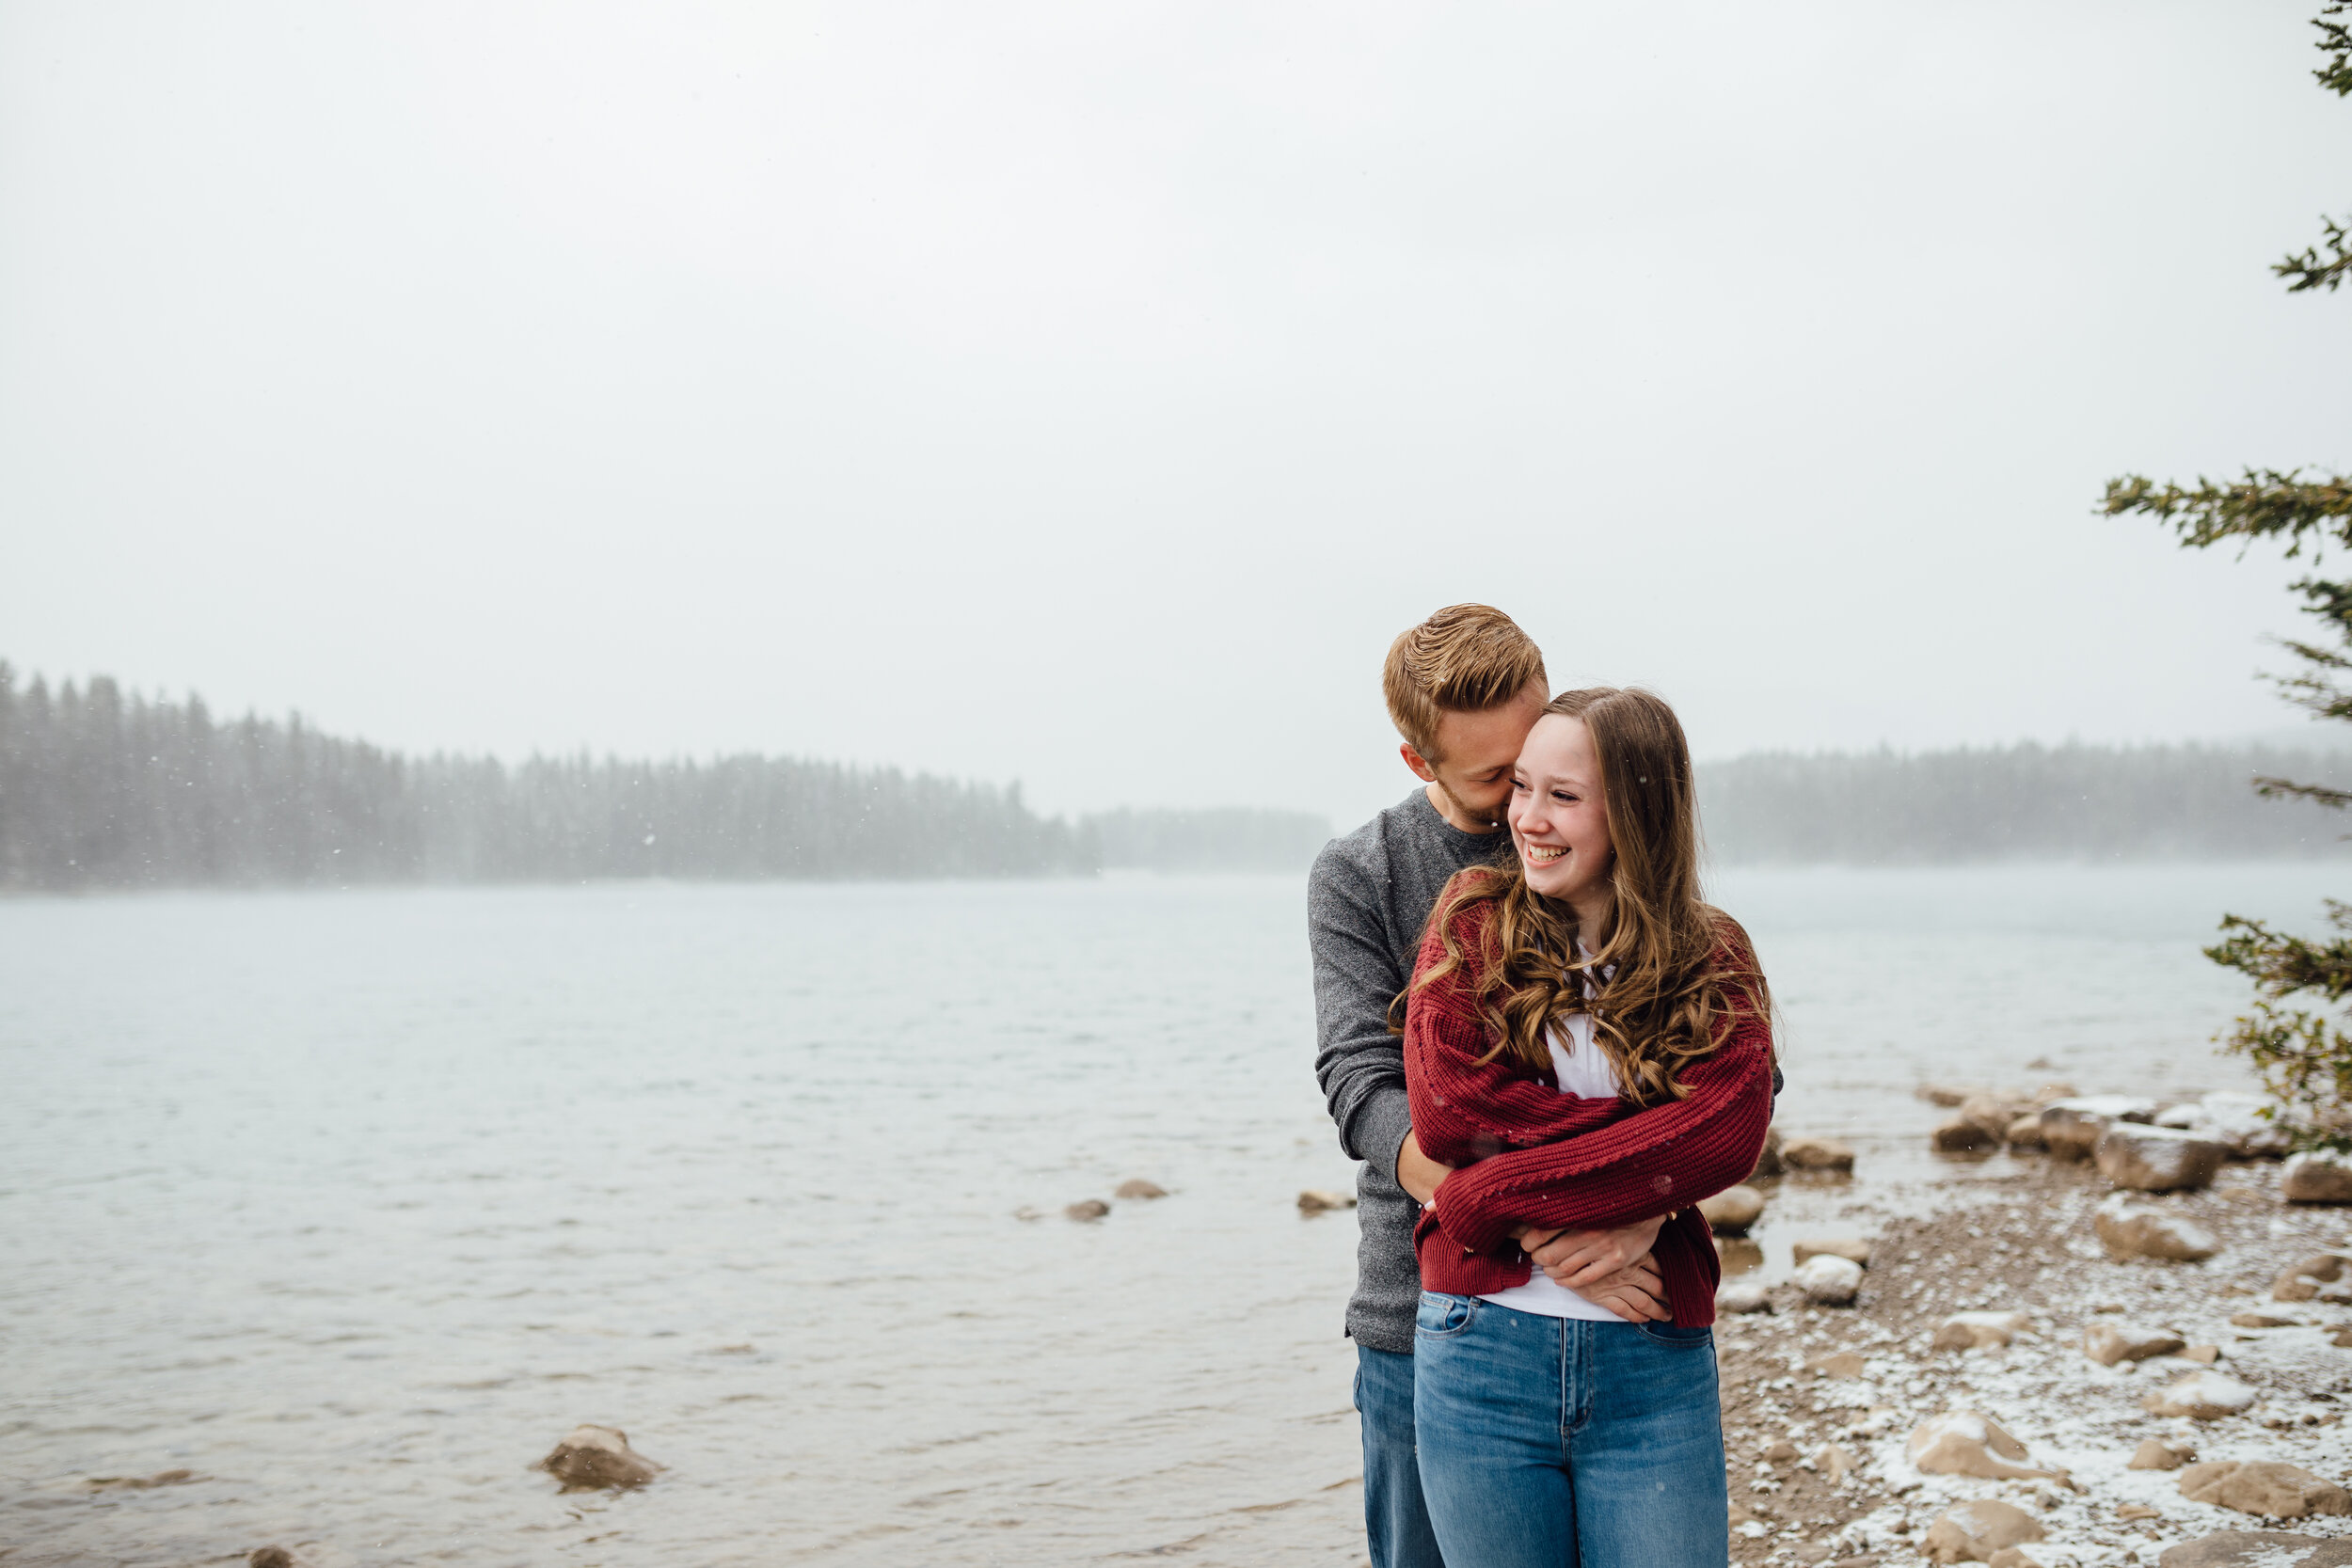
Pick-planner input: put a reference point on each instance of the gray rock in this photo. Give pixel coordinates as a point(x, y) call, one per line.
point(2251, 1126)
point(1828, 1281)
point(1978, 1330)
point(1995, 1109)
point(2108, 1341)
point(1970, 1443)
point(2155, 1454)
point(1817, 1154)
point(1744, 1296)
point(2157, 1159)
point(2302, 1281)
point(1852, 1247)
point(2266, 1487)
point(2070, 1128)
point(1961, 1135)
point(2259, 1548)
point(1973, 1532)
point(1731, 1212)
point(2129, 1229)
point(592, 1457)
point(2316, 1177)
point(2203, 1397)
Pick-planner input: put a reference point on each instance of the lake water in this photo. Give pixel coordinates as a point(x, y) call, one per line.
point(352, 1203)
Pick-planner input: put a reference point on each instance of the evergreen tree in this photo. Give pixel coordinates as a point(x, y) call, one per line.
point(2302, 1052)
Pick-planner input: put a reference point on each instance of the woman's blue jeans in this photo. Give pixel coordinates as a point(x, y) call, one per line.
point(1557, 1443)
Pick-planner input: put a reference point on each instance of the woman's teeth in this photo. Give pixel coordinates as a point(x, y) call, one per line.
point(1543, 854)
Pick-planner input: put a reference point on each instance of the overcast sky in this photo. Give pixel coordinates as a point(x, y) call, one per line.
point(1086, 393)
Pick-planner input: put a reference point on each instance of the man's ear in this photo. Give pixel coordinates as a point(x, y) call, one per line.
point(1414, 760)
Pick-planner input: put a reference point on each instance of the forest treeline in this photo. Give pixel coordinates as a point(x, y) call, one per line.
point(99, 788)
point(103, 789)
point(2070, 803)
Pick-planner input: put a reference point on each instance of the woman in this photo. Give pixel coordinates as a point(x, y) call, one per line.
point(1590, 1045)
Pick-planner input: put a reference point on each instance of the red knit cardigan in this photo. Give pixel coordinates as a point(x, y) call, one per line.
point(1530, 1155)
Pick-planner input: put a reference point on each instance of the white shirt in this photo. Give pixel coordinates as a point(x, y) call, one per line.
point(1580, 1068)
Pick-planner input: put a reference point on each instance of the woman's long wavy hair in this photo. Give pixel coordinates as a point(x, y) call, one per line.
point(1673, 972)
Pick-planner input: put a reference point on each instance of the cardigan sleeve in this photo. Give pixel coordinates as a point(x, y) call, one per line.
point(1651, 1162)
point(1463, 1108)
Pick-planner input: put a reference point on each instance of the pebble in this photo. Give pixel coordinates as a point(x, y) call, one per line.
point(1731, 1212)
point(1817, 1154)
point(269, 1557)
point(1319, 1201)
point(2316, 1178)
point(1768, 1163)
point(1088, 1209)
point(2110, 1340)
point(2266, 1487)
point(1828, 1281)
point(2157, 1159)
point(1136, 1187)
point(591, 1457)
point(2025, 1132)
point(2259, 1319)
point(1978, 1330)
point(2203, 1397)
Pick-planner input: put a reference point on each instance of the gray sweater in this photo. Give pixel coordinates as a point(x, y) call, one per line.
point(1367, 898)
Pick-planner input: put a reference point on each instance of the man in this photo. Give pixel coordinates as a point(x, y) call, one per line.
point(1463, 688)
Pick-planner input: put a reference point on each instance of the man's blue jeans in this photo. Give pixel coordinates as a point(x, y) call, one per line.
point(1558, 1443)
point(1396, 1523)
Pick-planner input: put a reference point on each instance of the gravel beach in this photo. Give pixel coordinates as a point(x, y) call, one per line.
point(1819, 1401)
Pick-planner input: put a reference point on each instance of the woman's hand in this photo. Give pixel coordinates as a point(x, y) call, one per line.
point(1579, 1259)
point(1636, 1295)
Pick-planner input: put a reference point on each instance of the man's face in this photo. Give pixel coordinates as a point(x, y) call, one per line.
point(1475, 751)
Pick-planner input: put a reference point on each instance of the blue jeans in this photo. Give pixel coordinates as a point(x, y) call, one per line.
point(1396, 1521)
point(1557, 1443)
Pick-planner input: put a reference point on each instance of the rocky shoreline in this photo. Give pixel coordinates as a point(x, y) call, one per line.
point(1821, 1404)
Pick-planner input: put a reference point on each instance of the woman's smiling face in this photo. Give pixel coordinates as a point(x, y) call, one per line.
point(1559, 813)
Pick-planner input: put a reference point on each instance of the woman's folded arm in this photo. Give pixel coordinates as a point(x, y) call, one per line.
point(1651, 1162)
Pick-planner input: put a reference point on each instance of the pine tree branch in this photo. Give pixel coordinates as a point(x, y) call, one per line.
point(2313, 270)
point(2335, 41)
point(2263, 503)
point(2280, 789)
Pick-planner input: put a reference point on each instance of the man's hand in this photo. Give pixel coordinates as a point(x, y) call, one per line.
point(1418, 1174)
point(1578, 1258)
point(1636, 1293)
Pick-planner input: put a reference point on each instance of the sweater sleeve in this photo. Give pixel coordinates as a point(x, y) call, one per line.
point(1651, 1162)
point(1466, 1108)
point(1357, 1062)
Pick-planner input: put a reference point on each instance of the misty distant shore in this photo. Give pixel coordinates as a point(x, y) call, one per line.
point(101, 789)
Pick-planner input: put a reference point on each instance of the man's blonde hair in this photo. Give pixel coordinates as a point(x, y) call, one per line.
point(1466, 658)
